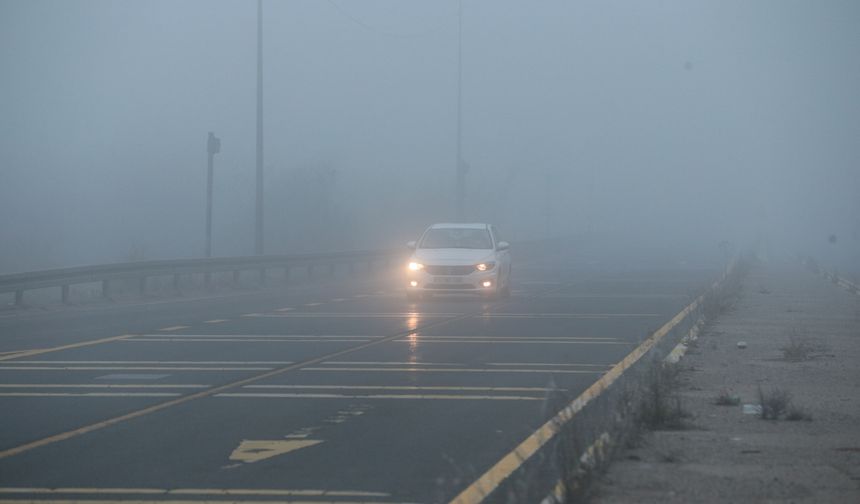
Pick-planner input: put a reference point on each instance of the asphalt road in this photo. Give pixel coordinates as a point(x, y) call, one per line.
point(337, 391)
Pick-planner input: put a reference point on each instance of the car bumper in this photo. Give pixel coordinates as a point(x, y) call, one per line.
point(475, 282)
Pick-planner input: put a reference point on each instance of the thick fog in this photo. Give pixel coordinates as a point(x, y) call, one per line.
point(676, 122)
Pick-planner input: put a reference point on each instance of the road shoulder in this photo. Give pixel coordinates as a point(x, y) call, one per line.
point(799, 340)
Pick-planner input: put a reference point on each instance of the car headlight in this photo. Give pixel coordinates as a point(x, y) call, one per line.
point(414, 266)
point(487, 266)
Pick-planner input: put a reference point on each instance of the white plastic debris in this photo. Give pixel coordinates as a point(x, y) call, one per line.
point(752, 409)
point(742, 344)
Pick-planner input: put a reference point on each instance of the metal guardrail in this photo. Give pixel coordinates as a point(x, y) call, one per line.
point(65, 277)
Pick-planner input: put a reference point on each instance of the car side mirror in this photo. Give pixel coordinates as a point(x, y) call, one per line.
point(503, 245)
point(411, 244)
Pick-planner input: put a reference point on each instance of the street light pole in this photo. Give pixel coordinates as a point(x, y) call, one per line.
point(460, 191)
point(258, 235)
point(213, 146)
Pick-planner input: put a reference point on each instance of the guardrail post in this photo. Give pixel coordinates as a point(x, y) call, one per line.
point(19, 297)
point(64, 294)
point(106, 288)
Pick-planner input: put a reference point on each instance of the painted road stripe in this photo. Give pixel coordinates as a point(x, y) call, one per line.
point(196, 363)
point(405, 387)
point(175, 501)
point(338, 300)
point(174, 328)
point(285, 309)
point(261, 395)
point(452, 370)
point(102, 385)
point(89, 394)
point(536, 341)
point(246, 340)
point(510, 364)
point(548, 364)
point(488, 482)
point(128, 368)
point(216, 321)
point(358, 315)
point(191, 491)
point(257, 336)
point(502, 338)
point(616, 296)
point(251, 315)
point(423, 315)
point(312, 304)
point(39, 351)
point(388, 363)
point(79, 431)
point(567, 315)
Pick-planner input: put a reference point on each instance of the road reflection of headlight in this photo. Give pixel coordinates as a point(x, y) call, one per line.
point(414, 266)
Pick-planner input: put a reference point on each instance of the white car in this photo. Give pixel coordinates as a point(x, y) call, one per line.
point(459, 258)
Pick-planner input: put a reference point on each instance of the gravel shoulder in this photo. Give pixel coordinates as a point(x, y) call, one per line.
point(802, 336)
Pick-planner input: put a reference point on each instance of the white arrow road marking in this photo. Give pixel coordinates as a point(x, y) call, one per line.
point(253, 451)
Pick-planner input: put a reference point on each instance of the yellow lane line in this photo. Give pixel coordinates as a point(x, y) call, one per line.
point(174, 328)
point(9, 452)
point(39, 351)
point(260, 395)
point(128, 368)
point(451, 370)
point(192, 491)
point(404, 387)
point(479, 489)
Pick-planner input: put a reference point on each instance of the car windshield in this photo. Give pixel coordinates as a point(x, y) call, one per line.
point(467, 238)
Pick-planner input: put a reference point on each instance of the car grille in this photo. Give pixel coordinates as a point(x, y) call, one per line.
point(449, 270)
point(449, 286)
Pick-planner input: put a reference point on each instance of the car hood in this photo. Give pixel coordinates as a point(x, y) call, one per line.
point(452, 256)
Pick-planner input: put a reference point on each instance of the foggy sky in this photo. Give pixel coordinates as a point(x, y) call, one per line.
point(674, 121)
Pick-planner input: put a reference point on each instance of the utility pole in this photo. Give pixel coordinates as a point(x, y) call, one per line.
point(258, 235)
point(213, 146)
point(461, 169)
